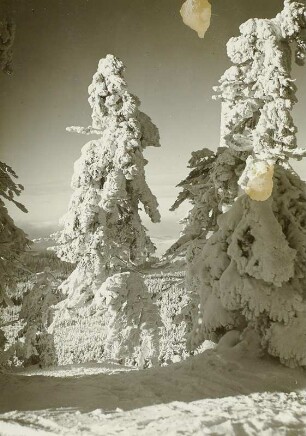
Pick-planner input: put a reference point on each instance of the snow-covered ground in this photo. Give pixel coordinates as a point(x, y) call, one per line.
point(229, 390)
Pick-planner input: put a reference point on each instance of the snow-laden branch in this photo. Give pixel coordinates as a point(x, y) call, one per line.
point(84, 130)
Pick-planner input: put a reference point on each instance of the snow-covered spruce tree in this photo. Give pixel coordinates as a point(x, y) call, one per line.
point(211, 188)
point(103, 233)
point(13, 240)
point(251, 272)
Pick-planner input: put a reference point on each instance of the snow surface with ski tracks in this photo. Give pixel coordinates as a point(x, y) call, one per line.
point(228, 390)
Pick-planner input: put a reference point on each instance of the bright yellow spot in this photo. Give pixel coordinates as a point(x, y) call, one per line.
point(260, 183)
point(196, 14)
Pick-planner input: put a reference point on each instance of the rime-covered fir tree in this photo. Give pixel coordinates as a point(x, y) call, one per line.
point(251, 272)
point(103, 233)
point(13, 240)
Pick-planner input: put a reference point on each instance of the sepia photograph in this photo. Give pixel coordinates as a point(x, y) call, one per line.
point(152, 217)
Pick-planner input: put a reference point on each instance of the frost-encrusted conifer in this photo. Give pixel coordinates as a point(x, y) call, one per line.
point(103, 233)
point(251, 272)
point(13, 240)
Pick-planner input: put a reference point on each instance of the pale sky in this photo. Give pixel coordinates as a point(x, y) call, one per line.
point(172, 71)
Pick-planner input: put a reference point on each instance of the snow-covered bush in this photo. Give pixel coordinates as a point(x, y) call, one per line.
point(35, 283)
point(103, 233)
point(250, 272)
point(35, 344)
